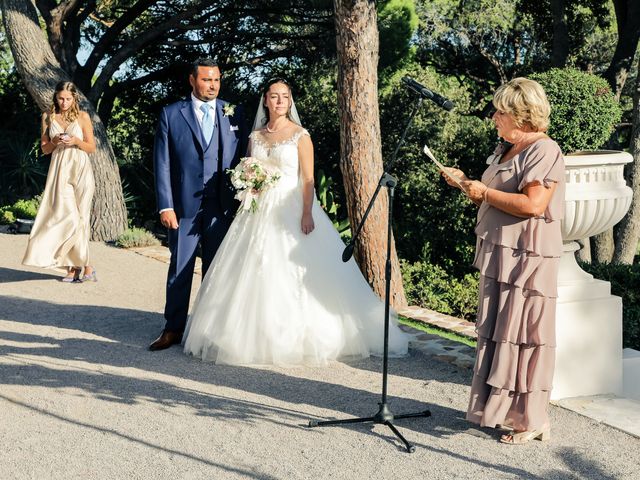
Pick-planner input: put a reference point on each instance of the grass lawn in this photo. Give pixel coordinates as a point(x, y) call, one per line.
point(423, 327)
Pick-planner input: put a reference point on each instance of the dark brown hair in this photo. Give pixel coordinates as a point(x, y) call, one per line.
point(201, 62)
point(265, 90)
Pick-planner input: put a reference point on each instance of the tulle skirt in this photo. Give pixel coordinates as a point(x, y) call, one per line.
point(273, 295)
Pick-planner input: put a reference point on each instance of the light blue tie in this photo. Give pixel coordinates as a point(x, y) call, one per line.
point(207, 122)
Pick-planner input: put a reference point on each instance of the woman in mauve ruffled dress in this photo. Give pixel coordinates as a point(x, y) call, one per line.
point(519, 243)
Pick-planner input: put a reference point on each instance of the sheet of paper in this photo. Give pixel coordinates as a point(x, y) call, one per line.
point(455, 178)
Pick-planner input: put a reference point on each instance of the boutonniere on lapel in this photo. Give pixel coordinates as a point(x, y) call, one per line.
point(228, 110)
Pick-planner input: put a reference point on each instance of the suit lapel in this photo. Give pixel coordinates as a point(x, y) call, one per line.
point(190, 117)
point(221, 121)
point(223, 125)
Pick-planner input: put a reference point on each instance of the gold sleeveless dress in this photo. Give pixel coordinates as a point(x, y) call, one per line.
point(61, 232)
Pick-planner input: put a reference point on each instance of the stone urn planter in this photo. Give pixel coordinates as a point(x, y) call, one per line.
point(21, 225)
point(589, 318)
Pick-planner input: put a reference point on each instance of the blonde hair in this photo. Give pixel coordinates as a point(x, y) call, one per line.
point(525, 101)
point(74, 111)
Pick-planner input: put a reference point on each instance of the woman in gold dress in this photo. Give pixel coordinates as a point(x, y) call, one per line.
point(60, 235)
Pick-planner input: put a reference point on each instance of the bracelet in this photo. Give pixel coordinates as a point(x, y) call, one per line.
point(484, 195)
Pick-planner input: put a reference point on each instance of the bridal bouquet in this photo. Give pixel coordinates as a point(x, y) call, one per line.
point(251, 177)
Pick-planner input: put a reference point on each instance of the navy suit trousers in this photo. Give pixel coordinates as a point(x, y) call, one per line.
point(206, 229)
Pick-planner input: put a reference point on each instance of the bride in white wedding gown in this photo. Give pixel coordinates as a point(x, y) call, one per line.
point(277, 291)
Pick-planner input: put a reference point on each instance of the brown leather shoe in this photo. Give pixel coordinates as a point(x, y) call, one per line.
point(165, 340)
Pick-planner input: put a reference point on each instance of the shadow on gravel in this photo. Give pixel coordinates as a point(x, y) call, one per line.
point(138, 441)
point(8, 275)
point(441, 371)
point(120, 339)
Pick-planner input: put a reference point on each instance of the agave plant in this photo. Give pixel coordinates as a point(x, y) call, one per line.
point(24, 167)
point(329, 205)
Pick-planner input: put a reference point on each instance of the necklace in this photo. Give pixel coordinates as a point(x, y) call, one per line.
point(271, 131)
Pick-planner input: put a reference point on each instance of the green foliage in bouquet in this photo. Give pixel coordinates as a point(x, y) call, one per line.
point(136, 237)
point(583, 108)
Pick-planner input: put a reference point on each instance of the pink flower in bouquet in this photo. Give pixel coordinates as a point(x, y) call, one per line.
point(251, 177)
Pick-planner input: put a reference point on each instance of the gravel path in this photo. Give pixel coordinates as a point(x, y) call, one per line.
point(82, 397)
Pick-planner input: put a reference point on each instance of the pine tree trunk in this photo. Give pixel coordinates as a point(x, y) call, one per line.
point(629, 229)
point(603, 247)
point(560, 49)
point(40, 72)
point(360, 144)
point(584, 254)
point(628, 26)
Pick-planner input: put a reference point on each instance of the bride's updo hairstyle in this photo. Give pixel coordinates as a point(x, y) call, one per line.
point(74, 111)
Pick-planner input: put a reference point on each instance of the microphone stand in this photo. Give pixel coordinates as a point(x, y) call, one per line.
point(384, 415)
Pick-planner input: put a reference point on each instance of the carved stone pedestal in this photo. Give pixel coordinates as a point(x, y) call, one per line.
point(589, 318)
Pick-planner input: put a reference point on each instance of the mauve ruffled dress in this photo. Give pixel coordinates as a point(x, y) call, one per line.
point(518, 260)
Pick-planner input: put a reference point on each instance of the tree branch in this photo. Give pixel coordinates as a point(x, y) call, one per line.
point(628, 20)
point(109, 37)
point(139, 42)
point(266, 15)
point(111, 93)
point(240, 36)
point(64, 9)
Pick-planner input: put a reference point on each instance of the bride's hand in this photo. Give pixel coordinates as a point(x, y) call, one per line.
point(307, 223)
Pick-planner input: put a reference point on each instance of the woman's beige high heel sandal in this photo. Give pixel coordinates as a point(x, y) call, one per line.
point(92, 277)
point(521, 438)
point(73, 275)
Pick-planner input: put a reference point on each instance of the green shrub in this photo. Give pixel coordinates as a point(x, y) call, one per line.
point(26, 209)
point(433, 222)
point(327, 200)
point(430, 286)
point(136, 237)
point(6, 216)
point(625, 280)
point(583, 108)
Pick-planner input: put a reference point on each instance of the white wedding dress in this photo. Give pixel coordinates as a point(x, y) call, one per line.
point(274, 295)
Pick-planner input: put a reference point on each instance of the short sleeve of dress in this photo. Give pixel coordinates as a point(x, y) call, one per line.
point(542, 165)
point(299, 134)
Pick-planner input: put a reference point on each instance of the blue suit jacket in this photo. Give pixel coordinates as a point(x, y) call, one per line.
point(180, 155)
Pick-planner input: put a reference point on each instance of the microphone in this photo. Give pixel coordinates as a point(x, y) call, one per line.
point(348, 252)
point(426, 93)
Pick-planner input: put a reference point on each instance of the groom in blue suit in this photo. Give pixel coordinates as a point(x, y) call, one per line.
point(196, 141)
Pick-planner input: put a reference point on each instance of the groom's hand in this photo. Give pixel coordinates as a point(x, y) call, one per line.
point(168, 219)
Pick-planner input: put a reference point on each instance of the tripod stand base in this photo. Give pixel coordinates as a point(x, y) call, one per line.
point(383, 417)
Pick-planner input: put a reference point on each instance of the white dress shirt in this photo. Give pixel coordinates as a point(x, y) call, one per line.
point(197, 103)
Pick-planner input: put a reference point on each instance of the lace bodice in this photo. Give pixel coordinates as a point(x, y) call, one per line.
point(283, 155)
